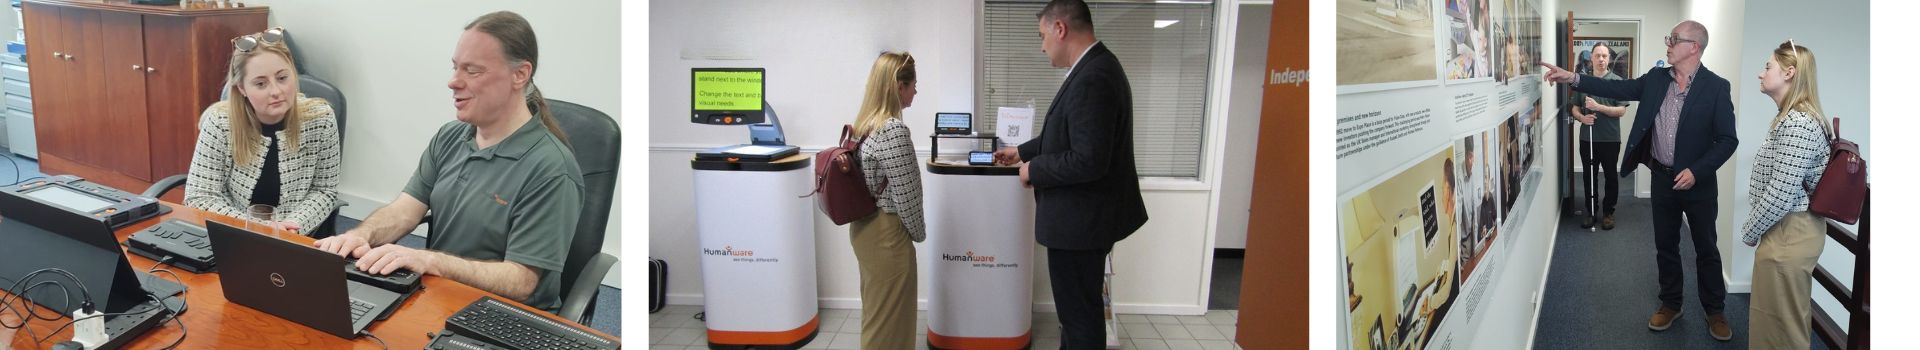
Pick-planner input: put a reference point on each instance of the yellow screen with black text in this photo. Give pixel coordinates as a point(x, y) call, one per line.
point(727, 90)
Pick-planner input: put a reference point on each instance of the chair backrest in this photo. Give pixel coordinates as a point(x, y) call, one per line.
point(315, 87)
point(595, 139)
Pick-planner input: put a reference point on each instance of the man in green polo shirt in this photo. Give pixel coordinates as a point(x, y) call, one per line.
point(503, 185)
point(1601, 117)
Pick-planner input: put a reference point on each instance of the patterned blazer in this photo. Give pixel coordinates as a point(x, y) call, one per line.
point(887, 157)
point(308, 179)
point(1785, 171)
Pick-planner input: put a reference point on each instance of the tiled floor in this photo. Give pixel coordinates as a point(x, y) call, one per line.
point(675, 328)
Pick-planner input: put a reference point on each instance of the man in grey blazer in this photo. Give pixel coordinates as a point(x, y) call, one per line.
point(1081, 169)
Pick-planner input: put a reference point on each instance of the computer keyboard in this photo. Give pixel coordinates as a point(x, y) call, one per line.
point(492, 321)
point(360, 308)
point(400, 281)
point(185, 242)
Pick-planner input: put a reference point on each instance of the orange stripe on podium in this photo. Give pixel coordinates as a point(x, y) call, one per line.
point(970, 343)
point(764, 338)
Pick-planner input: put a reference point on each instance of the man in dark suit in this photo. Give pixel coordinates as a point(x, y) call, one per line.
point(1684, 132)
point(1081, 170)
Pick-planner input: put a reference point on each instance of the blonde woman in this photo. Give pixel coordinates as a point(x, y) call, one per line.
point(883, 242)
point(267, 143)
point(1784, 173)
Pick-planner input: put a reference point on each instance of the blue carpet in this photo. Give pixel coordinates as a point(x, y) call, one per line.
point(1604, 285)
point(15, 168)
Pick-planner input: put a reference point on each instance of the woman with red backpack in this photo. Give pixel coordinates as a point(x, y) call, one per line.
point(883, 241)
point(1785, 172)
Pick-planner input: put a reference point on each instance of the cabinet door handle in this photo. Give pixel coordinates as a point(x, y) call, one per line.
point(136, 67)
point(56, 55)
point(69, 57)
point(149, 69)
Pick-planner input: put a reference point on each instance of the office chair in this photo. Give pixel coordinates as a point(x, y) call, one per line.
point(312, 87)
point(595, 140)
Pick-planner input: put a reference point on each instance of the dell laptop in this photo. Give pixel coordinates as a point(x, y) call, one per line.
point(295, 282)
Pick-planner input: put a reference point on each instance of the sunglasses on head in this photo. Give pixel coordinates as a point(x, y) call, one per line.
point(246, 43)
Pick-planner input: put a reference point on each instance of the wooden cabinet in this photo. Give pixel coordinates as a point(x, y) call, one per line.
point(118, 88)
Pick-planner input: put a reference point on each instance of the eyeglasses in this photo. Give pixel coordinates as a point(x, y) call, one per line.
point(246, 43)
point(1671, 40)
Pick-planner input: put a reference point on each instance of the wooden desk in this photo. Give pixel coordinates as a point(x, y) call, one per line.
point(212, 323)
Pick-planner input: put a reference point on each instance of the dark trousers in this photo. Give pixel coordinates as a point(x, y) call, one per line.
point(1604, 164)
point(1699, 206)
point(1077, 282)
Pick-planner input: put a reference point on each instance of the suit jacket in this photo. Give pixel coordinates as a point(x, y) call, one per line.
point(1085, 186)
point(1705, 137)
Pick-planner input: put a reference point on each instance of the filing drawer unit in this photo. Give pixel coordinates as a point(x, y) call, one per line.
point(16, 101)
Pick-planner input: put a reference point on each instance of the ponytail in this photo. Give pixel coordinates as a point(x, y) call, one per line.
point(538, 105)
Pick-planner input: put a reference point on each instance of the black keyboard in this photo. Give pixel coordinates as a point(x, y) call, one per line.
point(494, 322)
point(186, 243)
point(400, 281)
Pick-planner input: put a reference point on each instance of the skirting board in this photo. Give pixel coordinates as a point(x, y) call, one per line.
point(1047, 307)
point(1737, 287)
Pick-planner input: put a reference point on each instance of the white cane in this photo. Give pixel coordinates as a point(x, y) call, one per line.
point(1593, 202)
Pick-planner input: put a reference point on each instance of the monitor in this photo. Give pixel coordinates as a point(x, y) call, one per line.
point(953, 123)
point(729, 96)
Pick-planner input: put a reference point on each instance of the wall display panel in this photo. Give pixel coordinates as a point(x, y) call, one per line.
point(1430, 162)
point(1386, 44)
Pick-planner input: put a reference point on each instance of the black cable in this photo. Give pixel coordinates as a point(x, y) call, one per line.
point(66, 302)
point(21, 294)
point(176, 278)
point(86, 295)
point(16, 169)
point(383, 343)
point(183, 328)
point(156, 299)
point(65, 298)
point(163, 302)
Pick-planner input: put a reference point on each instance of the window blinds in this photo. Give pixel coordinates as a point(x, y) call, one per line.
point(1164, 47)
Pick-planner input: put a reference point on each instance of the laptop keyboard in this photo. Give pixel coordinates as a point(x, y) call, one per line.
point(360, 308)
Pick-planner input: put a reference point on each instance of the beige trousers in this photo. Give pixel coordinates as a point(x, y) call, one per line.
point(1783, 280)
point(889, 282)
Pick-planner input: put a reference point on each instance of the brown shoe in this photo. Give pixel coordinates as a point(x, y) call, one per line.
point(1663, 318)
point(1717, 324)
point(1608, 223)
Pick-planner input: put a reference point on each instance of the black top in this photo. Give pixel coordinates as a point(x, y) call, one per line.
point(1085, 187)
point(268, 190)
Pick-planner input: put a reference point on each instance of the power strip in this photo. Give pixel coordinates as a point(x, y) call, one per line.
point(122, 329)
